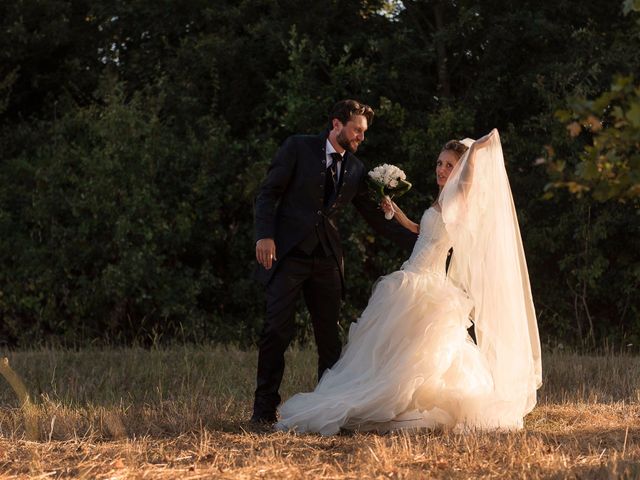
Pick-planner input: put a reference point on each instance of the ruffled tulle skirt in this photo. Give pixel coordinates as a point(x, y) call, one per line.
point(409, 362)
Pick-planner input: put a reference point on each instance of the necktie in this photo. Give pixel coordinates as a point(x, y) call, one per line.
point(334, 168)
point(331, 183)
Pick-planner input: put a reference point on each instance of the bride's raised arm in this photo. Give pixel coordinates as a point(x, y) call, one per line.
point(466, 175)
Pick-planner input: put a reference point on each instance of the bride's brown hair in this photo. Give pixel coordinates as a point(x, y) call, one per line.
point(456, 147)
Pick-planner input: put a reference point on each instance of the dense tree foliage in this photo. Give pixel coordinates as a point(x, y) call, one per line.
point(134, 136)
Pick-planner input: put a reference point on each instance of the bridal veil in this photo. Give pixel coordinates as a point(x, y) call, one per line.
point(488, 263)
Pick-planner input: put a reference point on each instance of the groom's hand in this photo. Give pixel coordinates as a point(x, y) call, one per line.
point(266, 252)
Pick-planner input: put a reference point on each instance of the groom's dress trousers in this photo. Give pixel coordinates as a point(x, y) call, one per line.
point(298, 205)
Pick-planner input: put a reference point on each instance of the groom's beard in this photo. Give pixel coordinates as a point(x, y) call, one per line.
point(343, 141)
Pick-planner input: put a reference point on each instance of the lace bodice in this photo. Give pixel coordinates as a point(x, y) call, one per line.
point(430, 251)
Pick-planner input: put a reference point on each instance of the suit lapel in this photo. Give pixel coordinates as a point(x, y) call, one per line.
point(321, 148)
point(320, 155)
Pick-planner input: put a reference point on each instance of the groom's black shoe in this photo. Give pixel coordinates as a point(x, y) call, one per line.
point(263, 420)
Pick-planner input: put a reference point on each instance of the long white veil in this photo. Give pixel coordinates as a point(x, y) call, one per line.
point(488, 263)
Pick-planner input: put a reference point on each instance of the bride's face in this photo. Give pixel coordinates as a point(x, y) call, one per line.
point(446, 161)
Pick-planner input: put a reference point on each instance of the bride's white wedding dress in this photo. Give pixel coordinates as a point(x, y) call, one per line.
point(409, 361)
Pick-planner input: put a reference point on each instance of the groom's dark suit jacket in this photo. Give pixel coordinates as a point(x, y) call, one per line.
point(289, 206)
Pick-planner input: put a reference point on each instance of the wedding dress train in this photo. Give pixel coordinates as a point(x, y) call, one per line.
point(409, 361)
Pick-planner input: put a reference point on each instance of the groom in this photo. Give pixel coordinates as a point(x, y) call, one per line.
point(309, 183)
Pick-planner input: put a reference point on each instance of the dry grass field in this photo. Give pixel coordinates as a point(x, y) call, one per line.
point(181, 413)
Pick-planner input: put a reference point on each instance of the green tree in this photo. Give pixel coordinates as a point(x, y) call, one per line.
point(609, 166)
point(134, 135)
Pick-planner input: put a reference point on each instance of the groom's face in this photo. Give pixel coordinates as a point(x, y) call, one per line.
point(350, 135)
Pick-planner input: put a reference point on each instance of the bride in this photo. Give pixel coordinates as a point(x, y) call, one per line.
point(409, 361)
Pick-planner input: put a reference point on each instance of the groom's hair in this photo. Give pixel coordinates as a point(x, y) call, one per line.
point(456, 147)
point(345, 109)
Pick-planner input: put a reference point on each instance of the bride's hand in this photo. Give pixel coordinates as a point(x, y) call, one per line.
point(389, 205)
point(386, 204)
point(484, 141)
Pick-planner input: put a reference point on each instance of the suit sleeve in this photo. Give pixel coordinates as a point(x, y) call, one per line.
point(391, 229)
point(272, 188)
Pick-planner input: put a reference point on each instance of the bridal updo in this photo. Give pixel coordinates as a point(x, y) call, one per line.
point(455, 146)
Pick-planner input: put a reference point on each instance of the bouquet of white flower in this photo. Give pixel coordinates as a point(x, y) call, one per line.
point(388, 181)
